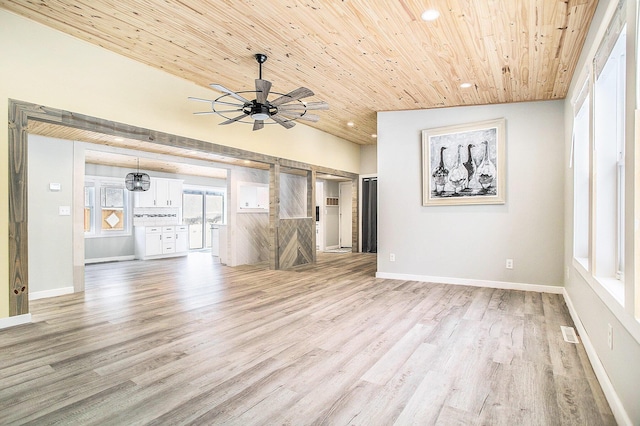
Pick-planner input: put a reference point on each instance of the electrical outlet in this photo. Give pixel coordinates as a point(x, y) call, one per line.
point(610, 336)
point(392, 257)
point(509, 264)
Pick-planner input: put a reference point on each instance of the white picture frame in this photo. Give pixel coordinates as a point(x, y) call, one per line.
point(464, 164)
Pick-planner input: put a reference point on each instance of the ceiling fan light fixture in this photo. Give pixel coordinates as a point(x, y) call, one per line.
point(260, 116)
point(259, 112)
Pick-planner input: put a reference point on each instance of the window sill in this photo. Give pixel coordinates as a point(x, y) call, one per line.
point(582, 261)
point(609, 285)
point(119, 234)
point(614, 287)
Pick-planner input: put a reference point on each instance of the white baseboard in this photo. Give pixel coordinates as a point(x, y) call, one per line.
point(109, 259)
point(16, 320)
point(622, 418)
point(474, 283)
point(50, 293)
point(332, 247)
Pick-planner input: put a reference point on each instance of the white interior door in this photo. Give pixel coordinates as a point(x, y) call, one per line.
point(345, 202)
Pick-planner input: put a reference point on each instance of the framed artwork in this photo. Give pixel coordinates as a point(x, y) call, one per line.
point(464, 164)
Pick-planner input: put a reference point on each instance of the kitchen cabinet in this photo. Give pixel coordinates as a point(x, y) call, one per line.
point(153, 242)
point(182, 238)
point(162, 193)
point(168, 193)
point(145, 198)
point(168, 239)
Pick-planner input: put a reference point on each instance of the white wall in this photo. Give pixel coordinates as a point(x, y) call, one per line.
point(368, 159)
point(46, 67)
point(473, 242)
point(618, 368)
point(50, 237)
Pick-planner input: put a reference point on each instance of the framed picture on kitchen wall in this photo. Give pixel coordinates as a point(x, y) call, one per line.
point(464, 164)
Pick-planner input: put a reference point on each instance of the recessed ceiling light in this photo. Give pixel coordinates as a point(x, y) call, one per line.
point(465, 85)
point(430, 15)
point(351, 124)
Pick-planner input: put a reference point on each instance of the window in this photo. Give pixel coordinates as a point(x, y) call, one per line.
point(609, 138)
point(581, 182)
point(106, 214)
point(89, 204)
point(599, 137)
point(112, 199)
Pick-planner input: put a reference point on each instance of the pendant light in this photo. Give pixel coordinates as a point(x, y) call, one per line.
point(136, 181)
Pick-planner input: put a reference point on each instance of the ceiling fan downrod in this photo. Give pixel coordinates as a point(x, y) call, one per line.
point(261, 58)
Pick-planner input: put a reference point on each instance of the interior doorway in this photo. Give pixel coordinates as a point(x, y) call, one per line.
point(346, 206)
point(369, 203)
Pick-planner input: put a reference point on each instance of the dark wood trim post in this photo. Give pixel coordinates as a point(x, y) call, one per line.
point(18, 237)
point(311, 209)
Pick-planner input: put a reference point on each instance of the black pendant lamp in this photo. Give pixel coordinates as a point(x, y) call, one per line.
point(136, 181)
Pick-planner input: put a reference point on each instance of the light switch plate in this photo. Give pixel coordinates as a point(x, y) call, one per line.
point(64, 210)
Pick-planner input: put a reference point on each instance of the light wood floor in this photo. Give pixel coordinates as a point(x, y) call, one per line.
point(188, 341)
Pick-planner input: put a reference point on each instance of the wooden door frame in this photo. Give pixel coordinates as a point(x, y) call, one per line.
point(20, 113)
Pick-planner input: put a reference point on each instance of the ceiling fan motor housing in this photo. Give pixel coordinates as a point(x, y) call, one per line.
point(259, 111)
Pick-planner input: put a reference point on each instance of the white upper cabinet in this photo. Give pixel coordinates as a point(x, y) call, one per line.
point(162, 193)
point(168, 193)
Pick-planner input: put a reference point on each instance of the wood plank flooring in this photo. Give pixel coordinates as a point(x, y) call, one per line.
point(189, 341)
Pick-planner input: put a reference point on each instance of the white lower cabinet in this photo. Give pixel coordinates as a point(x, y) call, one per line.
point(182, 238)
point(154, 242)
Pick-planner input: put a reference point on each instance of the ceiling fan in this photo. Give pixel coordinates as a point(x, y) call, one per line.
point(283, 110)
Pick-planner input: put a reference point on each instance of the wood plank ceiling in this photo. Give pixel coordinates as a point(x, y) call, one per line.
point(360, 56)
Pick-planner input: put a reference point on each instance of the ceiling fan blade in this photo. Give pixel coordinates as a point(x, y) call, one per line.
point(191, 98)
point(224, 111)
point(284, 123)
point(258, 124)
point(308, 117)
point(228, 103)
point(233, 120)
point(223, 89)
point(308, 106)
point(299, 93)
point(262, 90)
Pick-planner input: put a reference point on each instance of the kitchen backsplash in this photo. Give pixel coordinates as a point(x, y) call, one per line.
point(155, 216)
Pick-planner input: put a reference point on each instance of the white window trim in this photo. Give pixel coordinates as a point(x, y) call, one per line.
point(99, 182)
